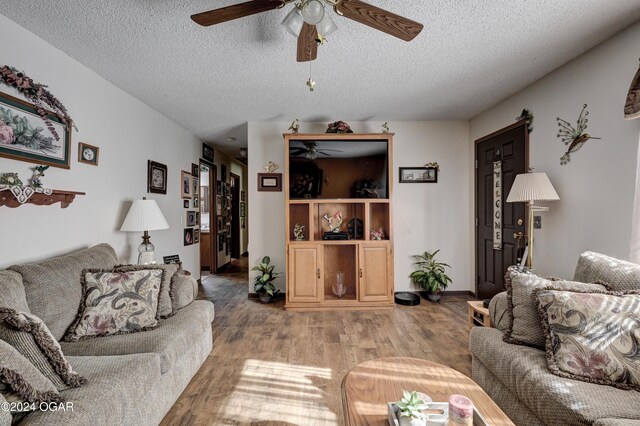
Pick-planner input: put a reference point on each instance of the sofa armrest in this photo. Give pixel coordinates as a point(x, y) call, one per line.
point(184, 288)
point(499, 312)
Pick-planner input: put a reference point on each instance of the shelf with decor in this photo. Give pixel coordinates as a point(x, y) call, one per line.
point(338, 194)
point(42, 198)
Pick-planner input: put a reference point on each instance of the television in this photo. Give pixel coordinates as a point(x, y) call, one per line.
point(334, 169)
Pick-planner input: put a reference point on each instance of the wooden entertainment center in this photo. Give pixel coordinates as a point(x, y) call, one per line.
point(325, 181)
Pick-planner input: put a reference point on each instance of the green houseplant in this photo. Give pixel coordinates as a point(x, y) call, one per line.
point(262, 283)
point(411, 408)
point(430, 275)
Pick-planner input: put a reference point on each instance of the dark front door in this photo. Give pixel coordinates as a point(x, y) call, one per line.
point(510, 146)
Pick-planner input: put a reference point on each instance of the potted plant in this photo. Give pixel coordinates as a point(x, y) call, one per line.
point(263, 281)
point(430, 276)
point(411, 408)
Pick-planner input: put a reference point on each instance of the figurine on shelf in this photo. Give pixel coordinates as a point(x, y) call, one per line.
point(298, 232)
point(11, 179)
point(271, 167)
point(377, 234)
point(338, 217)
point(385, 127)
point(38, 174)
point(295, 127)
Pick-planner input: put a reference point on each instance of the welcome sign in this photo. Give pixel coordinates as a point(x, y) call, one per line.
point(497, 205)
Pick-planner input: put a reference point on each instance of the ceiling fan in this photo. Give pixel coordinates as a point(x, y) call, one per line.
point(310, 24)
point(310, 151)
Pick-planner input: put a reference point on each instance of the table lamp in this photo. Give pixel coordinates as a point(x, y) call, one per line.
point(531, 187)
point(144, 215)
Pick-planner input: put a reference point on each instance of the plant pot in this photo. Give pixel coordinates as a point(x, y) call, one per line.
point(434, 297)
point(409, 421)
point(264, 298)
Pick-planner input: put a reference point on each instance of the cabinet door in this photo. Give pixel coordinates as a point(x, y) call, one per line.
point(305, 276)
point(375, 272)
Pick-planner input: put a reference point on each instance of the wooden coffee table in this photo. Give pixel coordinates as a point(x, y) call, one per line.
point(369, 386)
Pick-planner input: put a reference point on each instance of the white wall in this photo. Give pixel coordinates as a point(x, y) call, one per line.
point(425, 216)
point(128, 133)
point(597, 187)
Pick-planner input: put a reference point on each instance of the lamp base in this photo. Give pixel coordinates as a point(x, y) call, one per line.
point(147, 258)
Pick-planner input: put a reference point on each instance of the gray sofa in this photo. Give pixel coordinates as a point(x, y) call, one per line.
point(518, 380)
point(132, 378)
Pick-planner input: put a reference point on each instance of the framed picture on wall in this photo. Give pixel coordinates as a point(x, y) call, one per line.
point(221, 240)
point(185, 204)
point(219, 188)
point(418, 174)
point(223, 172)
point(194, 170)
point(243, 207)
point(24, 136)
point(156, 178)
point(195, 186)
point(191, 218)
point(88, 154)
point(188, 236)
point(207, 153)
point(270, 182)
point(196, 236)
point(185, 184)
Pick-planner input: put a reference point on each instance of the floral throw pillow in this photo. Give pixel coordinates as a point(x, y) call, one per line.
point(116, 303)
point(593, 337)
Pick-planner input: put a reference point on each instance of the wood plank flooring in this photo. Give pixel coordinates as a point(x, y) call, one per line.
point(269, 366)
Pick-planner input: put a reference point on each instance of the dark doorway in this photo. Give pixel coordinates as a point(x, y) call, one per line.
point(235, 216)
point(510, 146)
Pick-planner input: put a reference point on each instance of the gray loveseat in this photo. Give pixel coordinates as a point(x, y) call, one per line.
point(132, 378)
point(518, 380)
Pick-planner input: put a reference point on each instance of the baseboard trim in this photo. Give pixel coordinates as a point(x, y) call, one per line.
point(423, 294)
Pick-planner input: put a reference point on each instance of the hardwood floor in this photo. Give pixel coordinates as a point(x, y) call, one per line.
point(269, 366)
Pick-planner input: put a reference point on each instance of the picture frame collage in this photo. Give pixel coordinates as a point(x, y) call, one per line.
point(190, 193)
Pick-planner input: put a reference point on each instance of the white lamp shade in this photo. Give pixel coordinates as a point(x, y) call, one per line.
point(532, 187)
point(144, 215)
point(293, 21)
point(326, 27)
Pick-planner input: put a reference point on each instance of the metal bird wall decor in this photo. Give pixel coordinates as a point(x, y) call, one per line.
point(632, 106)
point(575, 138)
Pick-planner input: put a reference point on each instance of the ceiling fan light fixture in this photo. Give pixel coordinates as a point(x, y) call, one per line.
point(313, 12)
point(293, 21)
point(326, 27)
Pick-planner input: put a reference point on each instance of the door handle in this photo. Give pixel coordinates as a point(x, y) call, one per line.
point(518, 235)
point(318, 273)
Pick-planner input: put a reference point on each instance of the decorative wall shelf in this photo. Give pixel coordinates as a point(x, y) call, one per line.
point(39, 199)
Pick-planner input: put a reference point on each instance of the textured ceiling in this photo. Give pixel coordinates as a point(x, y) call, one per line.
point(212, 81)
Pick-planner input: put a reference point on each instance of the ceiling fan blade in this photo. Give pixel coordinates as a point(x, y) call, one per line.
point(236, 11)
point(297, 151)
point(331, 150)
point(307, 44)
point(380, 19)
point(324, 153)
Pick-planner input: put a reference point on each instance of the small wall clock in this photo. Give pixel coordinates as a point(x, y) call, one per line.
point(88, 153)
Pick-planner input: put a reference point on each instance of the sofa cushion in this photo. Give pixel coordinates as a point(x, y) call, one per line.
point(165, 304)
point(53, 287)
point(499, 311)
point(31, 337)
point(553, 399)
point(592, 336)
point(21, 381)
point(525, 327)
point(12, 291)
point(618, 274)
point(172, 338)
point(117, 303)
point(114, 394)
point(184, 289)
